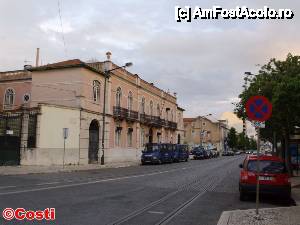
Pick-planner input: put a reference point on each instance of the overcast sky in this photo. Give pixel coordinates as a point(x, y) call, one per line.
point(202, 61)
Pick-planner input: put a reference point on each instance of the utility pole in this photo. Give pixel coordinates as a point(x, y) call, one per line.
point(107, 71)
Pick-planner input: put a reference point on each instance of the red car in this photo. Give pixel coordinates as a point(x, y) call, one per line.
point(273, 176)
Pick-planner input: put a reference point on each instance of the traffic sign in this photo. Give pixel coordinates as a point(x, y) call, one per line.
point(258, 124)
point(258, 108)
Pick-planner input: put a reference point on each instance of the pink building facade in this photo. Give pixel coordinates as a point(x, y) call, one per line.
point(137, 112)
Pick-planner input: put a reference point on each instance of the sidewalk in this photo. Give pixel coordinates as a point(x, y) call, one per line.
point(268, 216)
point(19, 170)
point(295, 182)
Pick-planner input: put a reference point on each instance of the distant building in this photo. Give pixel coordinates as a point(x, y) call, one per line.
point(205, 132)
point(38, 102)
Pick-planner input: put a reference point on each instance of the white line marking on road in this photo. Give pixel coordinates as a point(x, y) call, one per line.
point(4, 187)
point(40, 184)
point(86, 183)
point(156, 212)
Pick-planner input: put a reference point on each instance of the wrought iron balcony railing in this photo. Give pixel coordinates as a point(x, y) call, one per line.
point(123, 113)
point(130, 115)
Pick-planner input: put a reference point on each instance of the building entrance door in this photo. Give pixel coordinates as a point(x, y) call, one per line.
point(150, 135)
point(93, 141)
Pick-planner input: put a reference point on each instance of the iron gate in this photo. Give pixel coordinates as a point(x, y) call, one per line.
point(10, 138)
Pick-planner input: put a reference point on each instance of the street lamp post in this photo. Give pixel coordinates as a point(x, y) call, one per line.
point(106, 77)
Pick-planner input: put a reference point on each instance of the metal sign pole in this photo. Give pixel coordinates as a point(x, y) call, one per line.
point(64, 153)
point(65, 136)
point(257, 171)
point(254, 106)
point(297, 159)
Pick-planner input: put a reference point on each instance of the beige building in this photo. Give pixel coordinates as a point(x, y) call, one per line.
point(39, 102)
point(205, 132)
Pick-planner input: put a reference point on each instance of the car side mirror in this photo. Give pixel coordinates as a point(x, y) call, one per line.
point(241, 165)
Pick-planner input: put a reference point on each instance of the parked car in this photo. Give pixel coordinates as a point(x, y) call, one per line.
point(181, 153)
point(215, 153)
point(273, 176)
point(254, 153)
point(238, 153)
point(228, 153)
point(199, 153)
point(167, 152)
point(155, 153)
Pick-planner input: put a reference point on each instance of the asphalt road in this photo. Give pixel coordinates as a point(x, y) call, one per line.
point(194, 192)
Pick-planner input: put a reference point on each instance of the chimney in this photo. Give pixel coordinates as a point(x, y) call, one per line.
point(108, 55)
point(37, 57)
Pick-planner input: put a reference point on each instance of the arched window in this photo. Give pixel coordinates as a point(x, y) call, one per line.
point(9, 98)
point(151, 108)
point(158, 110)
point(130, 101)
point(96, 91)
point(118, 97)
point(143, 105)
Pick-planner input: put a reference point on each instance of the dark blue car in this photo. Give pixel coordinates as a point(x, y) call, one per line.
point(155, 153)
point(199, 153)
point(167, 153)
point(180, 153)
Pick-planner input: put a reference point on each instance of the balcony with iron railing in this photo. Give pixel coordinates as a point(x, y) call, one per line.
point(130, 115)
point(123, 113)
point(154, 121)
point(172, 125)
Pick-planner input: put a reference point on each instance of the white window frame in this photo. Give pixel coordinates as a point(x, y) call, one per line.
point(9, 101)
point(130, 101)
point(143, 105)
point(118, 97)
point(96, 91)
point(129, 138)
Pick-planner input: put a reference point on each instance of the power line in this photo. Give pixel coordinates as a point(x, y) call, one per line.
point(61, 25)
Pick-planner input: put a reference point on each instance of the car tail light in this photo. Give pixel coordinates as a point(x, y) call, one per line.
point(251, 174)
point(244, 177)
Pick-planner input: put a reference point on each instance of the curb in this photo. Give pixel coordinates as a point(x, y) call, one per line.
point(225, 217)
point(66, 170)
point(295, 186)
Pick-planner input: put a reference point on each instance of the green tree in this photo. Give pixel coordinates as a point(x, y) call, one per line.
point(279, 81)
point(252, 144)
point(232, 138)
point(243, 141)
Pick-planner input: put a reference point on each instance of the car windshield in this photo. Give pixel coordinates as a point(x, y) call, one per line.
point(151, 148)
point(267, 166)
